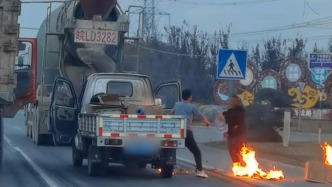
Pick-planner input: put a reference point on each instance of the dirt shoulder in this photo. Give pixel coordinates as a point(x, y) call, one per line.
point(296, 154)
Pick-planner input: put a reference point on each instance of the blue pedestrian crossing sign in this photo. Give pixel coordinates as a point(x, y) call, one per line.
point(232, 64)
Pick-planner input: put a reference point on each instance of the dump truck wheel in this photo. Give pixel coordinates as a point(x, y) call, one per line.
point(35, 125)
point(39, 139)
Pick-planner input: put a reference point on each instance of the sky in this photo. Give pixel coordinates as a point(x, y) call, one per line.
point(253, 21)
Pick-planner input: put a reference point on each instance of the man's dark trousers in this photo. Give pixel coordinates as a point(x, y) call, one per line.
point(235, 143)
point(191, 144)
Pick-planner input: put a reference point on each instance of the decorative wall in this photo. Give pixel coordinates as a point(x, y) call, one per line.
point(318, 84)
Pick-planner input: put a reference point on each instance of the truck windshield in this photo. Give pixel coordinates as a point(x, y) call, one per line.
point(120, 88)
point(135, 89)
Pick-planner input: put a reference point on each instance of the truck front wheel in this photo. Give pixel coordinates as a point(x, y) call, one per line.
point(77, 157)
point(167, 171)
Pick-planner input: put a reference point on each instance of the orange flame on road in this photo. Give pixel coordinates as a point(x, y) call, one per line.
point(328, 153)
point(251, 168)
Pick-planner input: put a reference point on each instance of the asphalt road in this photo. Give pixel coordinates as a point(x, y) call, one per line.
point(28, 165)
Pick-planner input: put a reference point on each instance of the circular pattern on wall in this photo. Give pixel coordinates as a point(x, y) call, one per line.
point(269, 79)
point(293, 72)
point(224, 89)
point(269, 82)
point(251, 78)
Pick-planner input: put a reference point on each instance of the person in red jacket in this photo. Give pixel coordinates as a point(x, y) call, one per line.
point(235, 119)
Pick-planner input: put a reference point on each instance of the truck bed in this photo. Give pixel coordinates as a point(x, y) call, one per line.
point(124, 125)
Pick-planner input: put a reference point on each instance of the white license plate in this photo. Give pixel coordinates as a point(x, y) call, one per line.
point(141, 147)
point(96, 36)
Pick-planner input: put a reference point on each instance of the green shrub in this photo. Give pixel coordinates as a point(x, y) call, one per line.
point(261, 121)
point(262, 117)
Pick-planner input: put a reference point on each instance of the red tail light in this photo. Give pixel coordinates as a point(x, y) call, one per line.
point(169, 143)
point(115, 134)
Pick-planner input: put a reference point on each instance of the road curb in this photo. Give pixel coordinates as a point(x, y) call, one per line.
point(223, 173)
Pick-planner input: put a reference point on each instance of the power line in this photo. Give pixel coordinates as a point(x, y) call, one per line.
point(307, 24)
point(207, 56)
point(166, 52)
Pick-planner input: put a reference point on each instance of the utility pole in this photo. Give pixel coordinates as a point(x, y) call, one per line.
point(148, 27)
point(149, 19)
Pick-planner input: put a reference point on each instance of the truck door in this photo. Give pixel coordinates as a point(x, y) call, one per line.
point(63, 110)
point(26, 73)
point(169, 93)
point(23, 68)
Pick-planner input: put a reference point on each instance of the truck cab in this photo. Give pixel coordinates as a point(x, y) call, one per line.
point(112, 110)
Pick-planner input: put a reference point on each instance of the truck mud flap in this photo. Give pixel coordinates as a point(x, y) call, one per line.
point(95, 155)
point(168, 156)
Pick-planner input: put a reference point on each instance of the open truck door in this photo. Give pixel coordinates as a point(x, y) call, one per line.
point(25, 68)
point(63, 111)
point(167, 94)
point(26, 73)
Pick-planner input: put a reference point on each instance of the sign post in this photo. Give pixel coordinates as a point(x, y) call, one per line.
point(286, 131)
point(301, 87)
point(232, 64)
point(323, 62)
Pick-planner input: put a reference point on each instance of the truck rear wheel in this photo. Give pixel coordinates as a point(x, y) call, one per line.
point(167, 171)
point(77, 157)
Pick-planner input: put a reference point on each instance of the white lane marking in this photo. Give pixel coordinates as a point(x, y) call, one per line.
point(43, 175)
